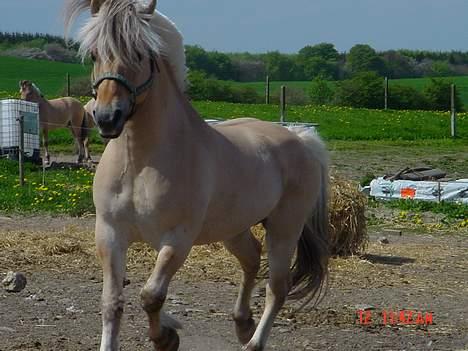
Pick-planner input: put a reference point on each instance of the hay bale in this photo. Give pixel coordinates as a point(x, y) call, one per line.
point(347, 229)
point(347, 221)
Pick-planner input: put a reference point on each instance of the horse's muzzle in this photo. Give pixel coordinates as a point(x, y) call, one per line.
point(110, 122)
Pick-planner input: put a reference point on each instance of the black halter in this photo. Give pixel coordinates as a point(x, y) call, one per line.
point(134, 91)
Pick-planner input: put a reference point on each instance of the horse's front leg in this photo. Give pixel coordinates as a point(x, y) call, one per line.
point(111, 250)
point(162, 329)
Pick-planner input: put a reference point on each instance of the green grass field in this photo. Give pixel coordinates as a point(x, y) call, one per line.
point(342, 123)
point(49, 76)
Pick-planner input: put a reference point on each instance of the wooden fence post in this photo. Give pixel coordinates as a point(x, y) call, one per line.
point(453, 112)
point(267, 90)
point(283, 103)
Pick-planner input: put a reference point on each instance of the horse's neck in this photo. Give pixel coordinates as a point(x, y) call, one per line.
point(44, 108)
point(164, 115)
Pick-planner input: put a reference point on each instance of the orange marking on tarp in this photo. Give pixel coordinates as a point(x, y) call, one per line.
point(408, 193)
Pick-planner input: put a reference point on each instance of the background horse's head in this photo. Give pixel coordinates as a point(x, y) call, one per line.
point(29, 91)
point(123, 47)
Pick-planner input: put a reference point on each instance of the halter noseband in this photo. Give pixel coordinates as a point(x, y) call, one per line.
point(134, 91)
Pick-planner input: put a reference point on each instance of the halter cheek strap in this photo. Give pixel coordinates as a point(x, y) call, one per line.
point(135, 92)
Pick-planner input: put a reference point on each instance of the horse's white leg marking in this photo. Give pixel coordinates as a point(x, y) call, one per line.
point(283, 232)
point(246, 248)
point(112, 251)
point(175, 248)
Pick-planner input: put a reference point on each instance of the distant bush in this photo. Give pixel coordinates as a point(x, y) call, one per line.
point(320, 92)
point(363, 90)
point(406, 98)
point(438, 94)
point(203, 88)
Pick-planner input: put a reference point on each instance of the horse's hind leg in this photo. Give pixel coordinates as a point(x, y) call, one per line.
point(112, 254)
point(246, 248)
point(87, 155)
point(162, 329)
point(76, 131)
point(282, 236)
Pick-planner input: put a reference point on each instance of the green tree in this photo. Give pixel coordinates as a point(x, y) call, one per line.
point(363, 58)
point(318, 60)
point(441, 69)
point(314, 67)
point(279, 66)
point(214, 64)
point(398, 65)
point(325, 51)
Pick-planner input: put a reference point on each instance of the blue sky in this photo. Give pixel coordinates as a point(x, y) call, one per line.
point(286, 25)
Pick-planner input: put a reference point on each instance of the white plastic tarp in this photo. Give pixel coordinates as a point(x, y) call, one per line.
point(456, 191)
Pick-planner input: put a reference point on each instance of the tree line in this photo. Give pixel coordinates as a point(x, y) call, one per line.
point(353, 78)
point(10, 39)
point(323, 60)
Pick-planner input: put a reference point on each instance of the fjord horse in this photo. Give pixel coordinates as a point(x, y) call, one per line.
point(169, 179)
point(59, 113)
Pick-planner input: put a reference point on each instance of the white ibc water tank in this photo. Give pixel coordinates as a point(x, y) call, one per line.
point(10, 111)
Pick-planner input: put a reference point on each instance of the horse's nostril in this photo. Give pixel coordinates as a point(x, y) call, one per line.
point(117, 114)
point(94, 113)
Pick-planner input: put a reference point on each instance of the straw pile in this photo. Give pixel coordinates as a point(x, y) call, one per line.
point(347, 229)
point(347, 221)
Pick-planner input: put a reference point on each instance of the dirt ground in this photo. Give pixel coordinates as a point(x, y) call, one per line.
point(417, 270)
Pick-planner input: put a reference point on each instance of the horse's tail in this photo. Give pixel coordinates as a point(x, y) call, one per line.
point(310, 269)
point(84, 127)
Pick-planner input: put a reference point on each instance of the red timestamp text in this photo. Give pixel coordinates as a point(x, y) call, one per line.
point(390, 317)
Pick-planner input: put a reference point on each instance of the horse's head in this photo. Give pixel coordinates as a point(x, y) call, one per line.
point(28, 91)
point(123, 47)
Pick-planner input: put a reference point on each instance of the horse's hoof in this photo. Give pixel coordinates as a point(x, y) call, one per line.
point(245, 329)
point(168, 341)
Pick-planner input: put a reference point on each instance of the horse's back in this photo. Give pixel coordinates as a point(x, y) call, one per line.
point(65, 110)
point(68, 103)
point(266, 140)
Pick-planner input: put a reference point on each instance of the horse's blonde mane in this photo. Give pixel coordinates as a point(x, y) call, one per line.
point(120, 32)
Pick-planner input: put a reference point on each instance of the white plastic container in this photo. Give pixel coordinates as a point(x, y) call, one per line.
point(10, 111)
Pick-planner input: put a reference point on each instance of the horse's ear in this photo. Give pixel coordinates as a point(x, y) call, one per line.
point(22, 83)
point(96, 5)
point(149, 9)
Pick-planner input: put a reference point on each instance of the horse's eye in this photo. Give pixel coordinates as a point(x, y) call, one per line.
point(93, 57)
point(140, 57)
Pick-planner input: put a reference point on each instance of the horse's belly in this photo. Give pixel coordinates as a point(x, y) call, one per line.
point(232, 215)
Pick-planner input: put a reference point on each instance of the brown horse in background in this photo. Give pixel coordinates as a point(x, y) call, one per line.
point(59, 113)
